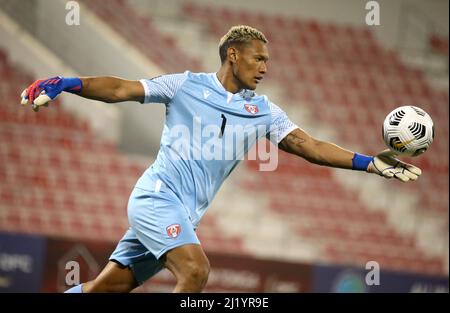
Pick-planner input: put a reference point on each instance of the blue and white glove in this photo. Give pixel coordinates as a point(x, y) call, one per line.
point(42, 91)
point(387, 165)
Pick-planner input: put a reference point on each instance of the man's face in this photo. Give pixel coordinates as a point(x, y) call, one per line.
point(251, 64)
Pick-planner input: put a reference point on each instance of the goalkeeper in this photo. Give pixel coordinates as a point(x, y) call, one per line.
point(170, 198)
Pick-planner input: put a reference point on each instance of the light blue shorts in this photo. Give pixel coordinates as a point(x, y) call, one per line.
point(159, 222)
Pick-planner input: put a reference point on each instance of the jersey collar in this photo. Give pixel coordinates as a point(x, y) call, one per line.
point(244, 93)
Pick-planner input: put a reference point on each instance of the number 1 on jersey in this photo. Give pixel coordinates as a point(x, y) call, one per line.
point(222, 128)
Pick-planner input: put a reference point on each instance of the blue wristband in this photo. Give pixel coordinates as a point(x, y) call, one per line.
point(360, 162)
point(72, 84)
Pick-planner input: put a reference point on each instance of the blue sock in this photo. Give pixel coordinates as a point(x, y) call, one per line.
point(76, 289)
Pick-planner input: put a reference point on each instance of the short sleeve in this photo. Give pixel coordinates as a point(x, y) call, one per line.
point(162, 89)
point(281, 125)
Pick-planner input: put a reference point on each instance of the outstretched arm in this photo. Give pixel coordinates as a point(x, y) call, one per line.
point(102, 88)
point(319, 152)
point(315, 151)
point(112, 89)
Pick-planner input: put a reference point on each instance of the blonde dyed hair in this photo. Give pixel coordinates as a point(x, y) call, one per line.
point(238, 35)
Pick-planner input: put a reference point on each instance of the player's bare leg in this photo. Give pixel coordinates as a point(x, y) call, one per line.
point(113, 278)
point(190, 266)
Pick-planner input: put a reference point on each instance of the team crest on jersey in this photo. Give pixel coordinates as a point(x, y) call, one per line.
point(251, 108)
point(173, 230)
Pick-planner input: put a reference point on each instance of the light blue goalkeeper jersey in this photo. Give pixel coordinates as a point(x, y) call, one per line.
point(206, 134)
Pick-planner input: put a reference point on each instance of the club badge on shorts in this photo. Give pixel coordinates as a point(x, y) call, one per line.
point(173, 230)
point(251, 108)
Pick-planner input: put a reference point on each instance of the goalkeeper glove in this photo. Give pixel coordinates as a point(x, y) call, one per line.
point(385, 164)
point(42, 91)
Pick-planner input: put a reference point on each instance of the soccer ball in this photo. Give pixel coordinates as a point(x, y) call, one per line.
point(408, 131)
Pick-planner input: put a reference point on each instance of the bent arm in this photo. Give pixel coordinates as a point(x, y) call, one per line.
point(315, 151)
point(112, 89)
